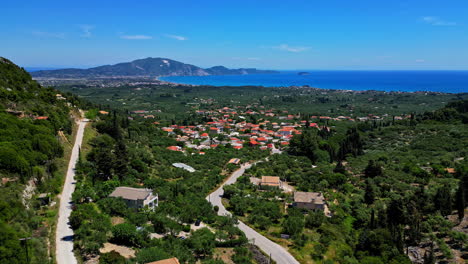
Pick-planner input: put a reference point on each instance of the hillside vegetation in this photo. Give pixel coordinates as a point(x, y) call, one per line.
point(31, 118)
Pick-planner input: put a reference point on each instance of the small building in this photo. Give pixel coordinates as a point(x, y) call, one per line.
point(136, 197)
point(309, 200)
point(44, 198)
point(450, 170)
point(166, 261)
point(184, 166)
point(215, 130)
point(270, 181)
point(174, 148)
point(234, 161)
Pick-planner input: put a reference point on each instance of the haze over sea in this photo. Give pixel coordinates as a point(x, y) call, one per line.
point(405, 81)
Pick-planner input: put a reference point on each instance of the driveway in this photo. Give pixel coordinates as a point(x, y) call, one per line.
point(64, 233)
point(279, 254)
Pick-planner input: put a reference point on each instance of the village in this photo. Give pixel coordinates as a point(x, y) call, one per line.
point(229, 127)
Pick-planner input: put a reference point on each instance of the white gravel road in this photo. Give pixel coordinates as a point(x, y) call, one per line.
point(279, 254)
point(64, 233)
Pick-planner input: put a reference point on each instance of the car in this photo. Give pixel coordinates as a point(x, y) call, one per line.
point(197, 223)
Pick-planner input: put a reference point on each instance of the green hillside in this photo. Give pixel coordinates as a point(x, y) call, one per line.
point(31, 151)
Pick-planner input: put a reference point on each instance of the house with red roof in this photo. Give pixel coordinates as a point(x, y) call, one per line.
point(214, 130)
point(174, 148)
point(313, 125)
point(253, 142)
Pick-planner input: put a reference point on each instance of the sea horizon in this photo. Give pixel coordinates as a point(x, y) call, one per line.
point(444, 81)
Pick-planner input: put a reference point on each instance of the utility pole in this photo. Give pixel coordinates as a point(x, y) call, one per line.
point(24, 242)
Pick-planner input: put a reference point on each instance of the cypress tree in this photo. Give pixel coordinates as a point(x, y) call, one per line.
point(460, 201)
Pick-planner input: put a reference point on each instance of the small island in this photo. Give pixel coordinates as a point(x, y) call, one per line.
point(303, 73)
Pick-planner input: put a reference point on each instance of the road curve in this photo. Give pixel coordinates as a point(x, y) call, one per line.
point(64, 233)
point(279, 254)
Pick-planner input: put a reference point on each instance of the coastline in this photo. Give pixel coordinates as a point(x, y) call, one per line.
point(174, 83)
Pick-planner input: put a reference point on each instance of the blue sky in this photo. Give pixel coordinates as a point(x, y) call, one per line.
point(293, 34)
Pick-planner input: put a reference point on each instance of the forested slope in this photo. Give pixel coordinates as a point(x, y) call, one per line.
point(31, 119)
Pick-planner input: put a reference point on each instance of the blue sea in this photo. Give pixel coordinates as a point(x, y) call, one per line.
point(405, 81)
point(33, 69)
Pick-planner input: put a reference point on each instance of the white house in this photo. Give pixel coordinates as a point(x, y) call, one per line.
point(136, 197)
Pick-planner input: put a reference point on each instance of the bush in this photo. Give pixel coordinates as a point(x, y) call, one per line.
point(147, 255)
point(202, 241)
point(315, 219)
point(112, 257)
point(113, 206)
point(125, 234)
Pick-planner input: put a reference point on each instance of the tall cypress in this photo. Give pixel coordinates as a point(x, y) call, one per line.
point(460, 201)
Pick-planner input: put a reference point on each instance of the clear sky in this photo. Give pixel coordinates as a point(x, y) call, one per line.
point(269, 34)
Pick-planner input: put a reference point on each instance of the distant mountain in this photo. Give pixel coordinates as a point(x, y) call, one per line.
point(221, 70)
point(145, 67)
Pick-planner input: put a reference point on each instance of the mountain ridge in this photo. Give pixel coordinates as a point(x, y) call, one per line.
point(155, 67)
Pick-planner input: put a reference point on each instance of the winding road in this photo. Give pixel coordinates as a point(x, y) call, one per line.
point(279, 254)
point(64, 233)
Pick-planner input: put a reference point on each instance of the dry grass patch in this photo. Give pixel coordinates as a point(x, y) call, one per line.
point(224, 254)
point(115, 220)
point(125, 252)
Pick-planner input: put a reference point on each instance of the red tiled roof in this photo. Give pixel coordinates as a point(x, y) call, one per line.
point(174, 148)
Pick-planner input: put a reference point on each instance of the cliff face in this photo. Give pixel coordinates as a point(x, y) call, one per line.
point(145, 67)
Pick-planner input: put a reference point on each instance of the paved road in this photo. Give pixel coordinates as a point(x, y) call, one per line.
point(277, 252)
point(64, 233)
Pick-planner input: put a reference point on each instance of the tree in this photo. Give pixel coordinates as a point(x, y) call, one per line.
point(340, 168)
point(305, 144)
point(242, 256)
point(443, 200)
point(112, 257)
point(460, 200)
point(352, 144)
point(125, 234)
point(121, 159)
point(293, 225)
point(414, 223)
point(429, 258)
point(315, 219)
point(202, 242)
point(396, 218)
point(370, 192)
point(10, 248)
point(102, 156)
point(229, 191)
point(114, 206)
point(151, 254)
point(373, 169)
